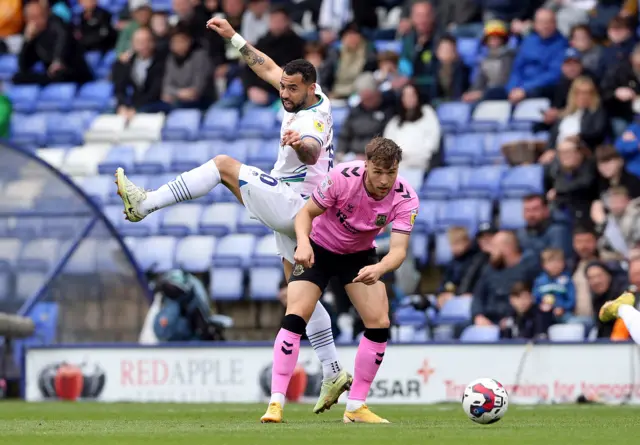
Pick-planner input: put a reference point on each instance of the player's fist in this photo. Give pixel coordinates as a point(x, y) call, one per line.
point(221, 26)
point(292, 139)
point(304, 255)
point(368, 275)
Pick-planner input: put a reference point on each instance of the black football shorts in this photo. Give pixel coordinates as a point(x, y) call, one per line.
point(329, 264)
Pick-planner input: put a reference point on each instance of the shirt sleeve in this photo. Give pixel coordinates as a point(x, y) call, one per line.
point(312, 125)
point(326, 194)
point(406, 215)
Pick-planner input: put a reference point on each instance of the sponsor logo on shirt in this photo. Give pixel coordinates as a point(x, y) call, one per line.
point(414, 213)
point(342, 217)
point(318, 125)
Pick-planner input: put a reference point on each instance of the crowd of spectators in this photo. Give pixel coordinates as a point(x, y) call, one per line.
point(581, 244)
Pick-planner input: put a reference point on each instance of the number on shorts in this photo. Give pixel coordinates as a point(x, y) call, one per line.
point(269, 180)
point(331, 155)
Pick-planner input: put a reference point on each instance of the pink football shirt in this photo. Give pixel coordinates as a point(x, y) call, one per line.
point(353, 218)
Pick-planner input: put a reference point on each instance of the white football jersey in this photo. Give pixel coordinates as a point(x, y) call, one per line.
point(315, 122)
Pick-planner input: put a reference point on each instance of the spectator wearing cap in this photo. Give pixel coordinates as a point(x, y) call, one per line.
point(537, 66)
point(585, 246)
point(416, 128)
point(619, 224)
point(628, 145)
point(606, 282)
point(542, 231)
point(255, 20)
point(49, 40)
point(612, 172)
point(367, 119)
point(484, 235)
point(452, 75)
point(507, 266)
point(590, 52)
point(417, 58)
point(94, 32)
point(141, 15)
point(620, 89)
point(570, 180)
point(583, 116)
point(343, 66)
point(495, 67)
point(621, 43)
point(283, 45)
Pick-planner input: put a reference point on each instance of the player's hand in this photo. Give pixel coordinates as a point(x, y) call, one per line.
point(292, 138)
point(221, 26)
point(368, 275)
point(304, 255)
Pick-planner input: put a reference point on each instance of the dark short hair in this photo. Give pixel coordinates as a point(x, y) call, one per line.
point(302, 67)
point(581, 27)
point(606, 152)
point(280, 9)
point(583, 229)
point(532, 196)
point(519, 287)
point(384, 152)
point(180, 29)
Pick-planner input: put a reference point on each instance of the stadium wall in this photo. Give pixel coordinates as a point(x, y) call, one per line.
point(410, 374)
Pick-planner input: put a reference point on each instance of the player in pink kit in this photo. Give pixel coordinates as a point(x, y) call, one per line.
point(335, 231)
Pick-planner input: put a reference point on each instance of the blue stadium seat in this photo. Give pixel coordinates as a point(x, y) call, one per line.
point(462, 149)
point(388, 45)
point(39, 255)
point(454, 116)
point(23, 97)
point(468, 213)
point(262, 153)
point(83, 260)
point(28, 283)
point(114, 215)
point(443, 182)
point(234, 251)
point(68, 128)
point(266, 253)
point(147, 227)
point(480, 334)
point(408, 316)
point(428, 214)
point(248, 225)
point(94, 96)
point(483, 182)
point(258, 122)
point(443, 253)
point(493, 149)
point(93, 59)
point(56, 97)
point(104, 69)
point(414, 176)
point(98, 188)
point(194, 253)
point(154, 182)
point(185, 157)
point(469, 49)
point(226, 283)
point(8, 66)
point(490, 115)
point(6, 284)
point(419, 243)
point(27, 227)
point(180, 220)
point(29, 131)
point(220, 123)
point(9, 252)
point(64, 227)
point(521, 181)
point(118, 156)
point(219, 219)
point(528, 112)
point(157, 159)
point(264, 283)
point(456, 310)
point(182, 125)
point(155, 253)
point(511, 214)
point(162, 5)
point(236, 149)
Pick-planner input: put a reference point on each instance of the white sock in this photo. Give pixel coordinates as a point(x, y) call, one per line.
point(353, 405)
point(631, 318)
point(189, 185)
point(321, 338)
point(277, 397)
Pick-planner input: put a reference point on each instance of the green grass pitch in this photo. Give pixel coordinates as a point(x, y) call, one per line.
point(157, 424)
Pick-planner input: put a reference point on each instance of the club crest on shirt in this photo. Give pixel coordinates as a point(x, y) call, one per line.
point(381, 220)
point(414, 214)
point(298, 270)
point(318, 125)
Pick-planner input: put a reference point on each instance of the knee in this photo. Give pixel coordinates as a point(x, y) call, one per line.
point(223, 162)
point(380, 322)
point(378, 335)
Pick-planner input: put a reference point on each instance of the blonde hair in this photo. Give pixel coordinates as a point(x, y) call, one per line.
point(571, 98)
point(552, 254)
point(457, 233)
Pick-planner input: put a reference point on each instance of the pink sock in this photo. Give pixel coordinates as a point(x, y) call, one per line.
point(368, 360)
point(285, 356)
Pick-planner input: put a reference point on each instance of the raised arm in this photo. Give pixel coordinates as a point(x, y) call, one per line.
point(260, 63)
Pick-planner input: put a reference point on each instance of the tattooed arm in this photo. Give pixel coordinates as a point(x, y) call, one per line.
point(307, 148)
point(259, 62)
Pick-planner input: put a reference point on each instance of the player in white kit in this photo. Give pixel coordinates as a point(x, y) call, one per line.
point(304, 157)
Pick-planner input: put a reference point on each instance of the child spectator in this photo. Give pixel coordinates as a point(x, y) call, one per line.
point(621, 43)
point(553, 289)
point(495, 68)
point(387, 73)
point(160, 28)
point(523, 322)
point(452, 76)
point(581, 39)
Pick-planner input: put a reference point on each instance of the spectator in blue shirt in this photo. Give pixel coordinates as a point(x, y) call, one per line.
point(628, 145)
point(553, 290)
point(537, 67)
